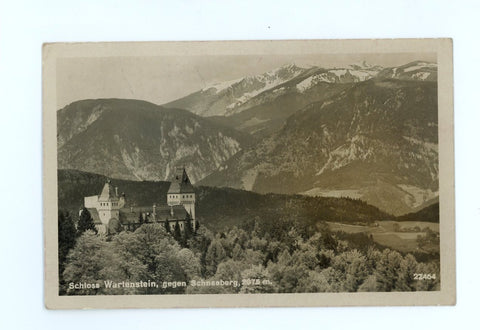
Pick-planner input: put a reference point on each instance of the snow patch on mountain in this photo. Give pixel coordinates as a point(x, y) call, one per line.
point(305, 84)
point(421, 75)
point(394, 72)
point(267, 81)
point(363, 75)
point(419, 66)
point(335, 76)
point(221, 86)
point(357, 149)
point(338, 73)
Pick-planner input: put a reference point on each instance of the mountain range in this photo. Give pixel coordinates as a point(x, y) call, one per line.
point(138, 140)
point(360, 131)
point(377, 141)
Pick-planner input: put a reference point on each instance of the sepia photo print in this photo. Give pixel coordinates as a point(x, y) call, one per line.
point(250, 173)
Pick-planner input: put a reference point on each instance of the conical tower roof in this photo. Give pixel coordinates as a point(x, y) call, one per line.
point(180, 183)
point(108, 193)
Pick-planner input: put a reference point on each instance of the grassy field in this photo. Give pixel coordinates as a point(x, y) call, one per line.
point(403, 240)
point(409, 224)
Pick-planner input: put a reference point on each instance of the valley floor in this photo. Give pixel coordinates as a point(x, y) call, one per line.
point(399, 235)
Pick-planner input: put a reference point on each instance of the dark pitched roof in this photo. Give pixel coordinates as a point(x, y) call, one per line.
point(130, 215)
point(180, 182)
point(163, 212)
point(95, 216)
point(108, 193)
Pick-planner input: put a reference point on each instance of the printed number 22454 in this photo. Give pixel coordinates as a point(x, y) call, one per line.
point(422, 276)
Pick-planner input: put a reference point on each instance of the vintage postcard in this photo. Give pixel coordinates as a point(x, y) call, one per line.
point(248, 173)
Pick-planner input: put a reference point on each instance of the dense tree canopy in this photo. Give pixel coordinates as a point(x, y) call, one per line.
point(249, 262)
point(66, 237)
point(85, 222)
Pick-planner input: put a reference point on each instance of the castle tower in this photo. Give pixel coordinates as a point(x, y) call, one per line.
point(108, 203)
point(181, 193)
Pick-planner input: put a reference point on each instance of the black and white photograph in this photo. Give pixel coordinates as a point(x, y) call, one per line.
point(249, 173)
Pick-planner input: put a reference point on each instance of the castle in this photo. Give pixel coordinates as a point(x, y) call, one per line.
point(110, 212)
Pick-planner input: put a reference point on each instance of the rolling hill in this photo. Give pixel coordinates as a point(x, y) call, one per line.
point(430, 213)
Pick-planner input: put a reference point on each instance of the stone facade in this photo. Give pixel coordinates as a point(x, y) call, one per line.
point(109, 210)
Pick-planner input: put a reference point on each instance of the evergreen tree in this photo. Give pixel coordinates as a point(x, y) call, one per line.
point(66, 237)
point(215, 254)
point(184, 239)
point(140, 218)
point(167, 226)
point(188, 229)
point(176, 232)
point(85, 222)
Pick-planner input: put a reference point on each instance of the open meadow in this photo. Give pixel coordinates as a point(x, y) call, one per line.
point(398, 235)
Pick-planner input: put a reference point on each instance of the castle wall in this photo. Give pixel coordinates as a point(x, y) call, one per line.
point(173, 199)
point(91, 202)
point(108, 213)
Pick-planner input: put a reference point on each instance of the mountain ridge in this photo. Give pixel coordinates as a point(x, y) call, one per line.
point(382, 120)
point(140, 140)
point(361, 131)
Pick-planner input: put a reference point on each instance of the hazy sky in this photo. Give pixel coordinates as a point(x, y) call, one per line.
point(162, 79)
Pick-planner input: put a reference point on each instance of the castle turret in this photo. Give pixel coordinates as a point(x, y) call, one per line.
point(108, 203)
point(181, 193)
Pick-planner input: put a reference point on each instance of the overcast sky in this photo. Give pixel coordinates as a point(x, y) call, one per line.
point(162, 79)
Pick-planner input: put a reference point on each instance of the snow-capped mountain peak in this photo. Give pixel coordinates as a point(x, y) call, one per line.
point(234, 96)
point(417, 70)
point(223, 98)
point(349, 74)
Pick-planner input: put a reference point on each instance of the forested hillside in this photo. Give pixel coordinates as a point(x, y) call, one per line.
point(220, 209)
